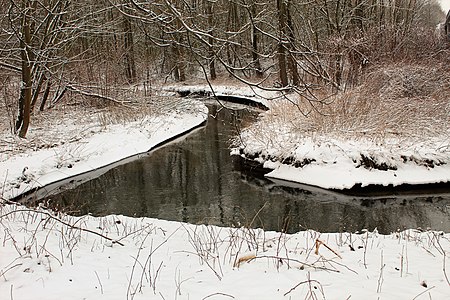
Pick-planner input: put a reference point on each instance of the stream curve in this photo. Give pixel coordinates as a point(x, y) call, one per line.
point(197, 181)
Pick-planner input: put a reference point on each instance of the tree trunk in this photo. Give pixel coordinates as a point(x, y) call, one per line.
point(229, 28)
point(211, 54)
point(281, 48)
point(179, 64)
point(23, 117)
point(37, 90)
point(255, 55)
point(45, 96)
point(291, 37)
point(130, 66)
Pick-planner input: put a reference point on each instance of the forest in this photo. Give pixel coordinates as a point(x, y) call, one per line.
point(314, 48)
point(114, 187)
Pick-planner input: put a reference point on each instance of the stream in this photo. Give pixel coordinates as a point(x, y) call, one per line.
point(196, 180)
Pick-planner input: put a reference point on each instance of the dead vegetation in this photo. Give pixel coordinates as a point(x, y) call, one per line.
point(401, 100)
point(399, 114)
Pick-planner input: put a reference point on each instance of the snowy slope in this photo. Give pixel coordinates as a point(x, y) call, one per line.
point(47, 256)
point(104, 146)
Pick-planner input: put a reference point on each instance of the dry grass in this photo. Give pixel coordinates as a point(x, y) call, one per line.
point(402, 100)
point(62, 124)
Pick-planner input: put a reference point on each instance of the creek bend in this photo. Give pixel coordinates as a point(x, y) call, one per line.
point(196, 180)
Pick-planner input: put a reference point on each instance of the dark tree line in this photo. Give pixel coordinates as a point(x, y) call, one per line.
point(56, 46)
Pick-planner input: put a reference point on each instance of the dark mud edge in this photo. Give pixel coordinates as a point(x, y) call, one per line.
point(79, 177)
point(248, 165)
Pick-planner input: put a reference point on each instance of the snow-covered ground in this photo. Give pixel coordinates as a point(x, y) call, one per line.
point(253, 94)
point(51, 256)
point(48, 255)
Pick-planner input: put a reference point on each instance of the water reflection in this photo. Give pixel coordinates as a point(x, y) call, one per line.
point(196, 181)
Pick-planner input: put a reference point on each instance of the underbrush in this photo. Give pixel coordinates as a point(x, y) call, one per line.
point(76, 116)
point(400, 108)
point(408, 100)
point(403, 100)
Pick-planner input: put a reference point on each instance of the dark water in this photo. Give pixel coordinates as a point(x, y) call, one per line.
point(196, 181)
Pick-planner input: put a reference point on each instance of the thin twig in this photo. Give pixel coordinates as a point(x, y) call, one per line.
point(2, 274)
point(94, 95)
point(319, 242)
point(278, 258)
point(423, 292)
point(309, 281)
point(98, 278)
point(218, 294)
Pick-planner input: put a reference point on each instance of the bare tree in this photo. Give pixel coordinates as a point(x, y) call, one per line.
point(130, 66)
point(27, 58)
point(35, 35)
point(45, 41)
point(255, 40)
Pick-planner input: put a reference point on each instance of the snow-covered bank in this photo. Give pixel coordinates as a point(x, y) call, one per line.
point(55, 256)
point(94, 147)
point(332, 163)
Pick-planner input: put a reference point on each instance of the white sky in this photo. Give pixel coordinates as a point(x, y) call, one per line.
point(445, 5)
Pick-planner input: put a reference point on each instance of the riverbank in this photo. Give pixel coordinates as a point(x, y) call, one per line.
point(345, 164)
point(66, 146)
point(391, 131)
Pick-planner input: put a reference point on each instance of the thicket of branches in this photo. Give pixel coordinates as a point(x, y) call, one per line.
point(85, 47)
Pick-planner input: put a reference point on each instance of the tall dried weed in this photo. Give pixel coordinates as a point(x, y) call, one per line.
point(403, 100)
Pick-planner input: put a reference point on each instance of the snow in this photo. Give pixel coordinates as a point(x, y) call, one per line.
point(50, 255)
point(445, 4)
point(43, 258)
point(332, 162)
point(347, 176)
point(336, 164)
